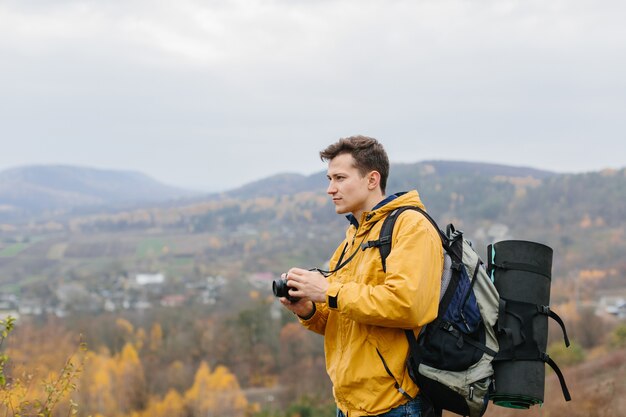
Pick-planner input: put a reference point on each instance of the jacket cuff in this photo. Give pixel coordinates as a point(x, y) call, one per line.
point(331, 295)
point(310, 316)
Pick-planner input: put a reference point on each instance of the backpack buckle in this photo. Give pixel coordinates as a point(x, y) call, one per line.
point(544, 309)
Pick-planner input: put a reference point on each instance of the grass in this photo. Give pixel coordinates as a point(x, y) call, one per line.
point(151, 247)
point(13, 250)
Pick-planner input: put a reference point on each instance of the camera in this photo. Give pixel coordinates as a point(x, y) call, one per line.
point(281, 289)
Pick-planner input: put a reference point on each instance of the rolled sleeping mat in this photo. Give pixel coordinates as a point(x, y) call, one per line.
point(521, 271)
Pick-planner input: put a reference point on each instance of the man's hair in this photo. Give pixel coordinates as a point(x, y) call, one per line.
point(369, 155)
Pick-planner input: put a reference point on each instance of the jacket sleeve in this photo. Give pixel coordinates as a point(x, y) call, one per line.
point(317, 323)
point(409, 296)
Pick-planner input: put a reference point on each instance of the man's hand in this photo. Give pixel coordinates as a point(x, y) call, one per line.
point(308, 285)
point(303, 308)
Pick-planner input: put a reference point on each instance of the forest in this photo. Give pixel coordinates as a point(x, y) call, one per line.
point(258, 362)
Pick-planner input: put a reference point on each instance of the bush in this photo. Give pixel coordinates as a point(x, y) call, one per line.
point(566, 356)
point(19, 398)
point(617, 339)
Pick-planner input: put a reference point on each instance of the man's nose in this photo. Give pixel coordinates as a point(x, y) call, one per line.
point(331, 188)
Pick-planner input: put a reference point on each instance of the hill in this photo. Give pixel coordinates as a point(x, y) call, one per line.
point(37, 190)
point(287, 220)
point(402, 177)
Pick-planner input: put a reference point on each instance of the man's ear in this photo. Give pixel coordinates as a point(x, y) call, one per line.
point(373, 180)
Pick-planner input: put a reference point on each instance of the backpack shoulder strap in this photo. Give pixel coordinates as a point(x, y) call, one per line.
point(384, 240)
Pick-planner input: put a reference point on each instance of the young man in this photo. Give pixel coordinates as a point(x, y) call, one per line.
point(361, 310)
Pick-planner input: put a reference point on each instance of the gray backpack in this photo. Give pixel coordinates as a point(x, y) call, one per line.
point(451, 359)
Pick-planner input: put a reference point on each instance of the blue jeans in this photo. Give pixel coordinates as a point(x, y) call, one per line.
point(412, 408)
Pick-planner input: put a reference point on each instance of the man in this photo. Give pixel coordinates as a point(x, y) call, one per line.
point(360, 309)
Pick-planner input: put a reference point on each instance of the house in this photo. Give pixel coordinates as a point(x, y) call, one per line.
point(613, 305)
point(149, 279)
point(262, 280)
point(173, 300)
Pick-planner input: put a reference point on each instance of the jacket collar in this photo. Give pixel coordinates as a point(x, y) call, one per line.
point(353, 220)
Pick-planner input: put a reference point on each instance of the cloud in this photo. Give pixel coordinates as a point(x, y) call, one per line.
point(187, 90)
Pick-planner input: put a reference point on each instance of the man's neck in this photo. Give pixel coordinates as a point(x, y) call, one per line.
point(372, 202)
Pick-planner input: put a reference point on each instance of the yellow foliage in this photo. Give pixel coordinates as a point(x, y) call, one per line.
point(520, 193)
point(125, 327)
point(568, 311)
point(26, 394)
point(129, 379)
point(216, 393)
point(593, 274)
point(156, 337)
point(140, 338)
point(264, 202)
point(200, 383)
point(172, 405)
point(129, 355)
point(97, 390)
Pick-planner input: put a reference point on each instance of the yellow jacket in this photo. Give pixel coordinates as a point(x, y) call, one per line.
point(367, 309)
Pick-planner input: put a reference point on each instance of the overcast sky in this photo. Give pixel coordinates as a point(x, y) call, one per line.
point(213, 94)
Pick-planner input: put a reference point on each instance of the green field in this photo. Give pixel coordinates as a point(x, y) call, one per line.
point(152, 247)
point(13, 249)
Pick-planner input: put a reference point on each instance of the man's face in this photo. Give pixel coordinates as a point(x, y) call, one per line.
point(348, 189)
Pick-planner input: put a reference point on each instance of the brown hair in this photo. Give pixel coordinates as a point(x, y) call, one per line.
point(369, 155)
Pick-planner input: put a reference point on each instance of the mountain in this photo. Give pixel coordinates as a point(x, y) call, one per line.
point(36, 190)
point(403, 176)
point(280, 184)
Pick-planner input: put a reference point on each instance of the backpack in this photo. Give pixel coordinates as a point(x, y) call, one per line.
point(451, 358)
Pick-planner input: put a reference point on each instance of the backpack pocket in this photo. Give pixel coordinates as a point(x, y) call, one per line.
point(449, 349)
point(455, 340)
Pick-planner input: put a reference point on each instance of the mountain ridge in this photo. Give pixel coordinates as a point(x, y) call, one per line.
point(39, 189)
point(47, 191)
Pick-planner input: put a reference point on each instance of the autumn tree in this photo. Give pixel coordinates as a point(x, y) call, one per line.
point(196, 397)
point(255, 344)
point(125, 332)
point(129, 380)
point(227, 394)
point(172, 405)
point(97, 386)
point(156, 337)
point(21, 394)
point(302, 367)
point(215, 394)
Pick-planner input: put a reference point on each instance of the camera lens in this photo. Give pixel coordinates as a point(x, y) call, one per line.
point(280, 289)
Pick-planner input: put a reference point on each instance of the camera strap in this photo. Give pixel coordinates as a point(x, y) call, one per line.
point(339, 263)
